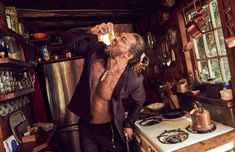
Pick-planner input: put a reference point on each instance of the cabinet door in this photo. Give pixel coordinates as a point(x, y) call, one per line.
point(146, 146)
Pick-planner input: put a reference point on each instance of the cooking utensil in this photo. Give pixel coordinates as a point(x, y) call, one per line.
point(172, 36)
point(182, 86)
point(230, 41)
point(201, 120)
point(173, 113)
point(191, 27)
point(157, 106)
point(197, 24)
point(168, 3)
point(151, 40)
point(163, 16)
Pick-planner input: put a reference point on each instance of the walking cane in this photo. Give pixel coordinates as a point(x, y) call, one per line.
point(127, 144)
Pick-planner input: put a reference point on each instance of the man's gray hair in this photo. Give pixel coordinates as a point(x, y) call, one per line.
point(137, 49)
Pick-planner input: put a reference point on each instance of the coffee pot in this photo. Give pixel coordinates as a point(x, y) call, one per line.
point(201, 120)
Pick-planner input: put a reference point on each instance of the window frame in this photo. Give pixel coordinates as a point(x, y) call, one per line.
point(188, 64)
point(196, 58)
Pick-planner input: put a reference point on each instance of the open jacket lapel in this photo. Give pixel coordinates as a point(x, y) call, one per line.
point(116, 93)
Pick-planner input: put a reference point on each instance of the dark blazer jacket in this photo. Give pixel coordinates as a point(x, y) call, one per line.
point(130, 85)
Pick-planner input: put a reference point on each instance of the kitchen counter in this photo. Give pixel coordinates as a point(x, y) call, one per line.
point(218, 144)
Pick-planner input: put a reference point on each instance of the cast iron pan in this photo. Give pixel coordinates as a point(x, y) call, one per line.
point(173, 113)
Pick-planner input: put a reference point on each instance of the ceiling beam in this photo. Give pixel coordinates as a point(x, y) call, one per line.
point(34, 13)
point(76, 22)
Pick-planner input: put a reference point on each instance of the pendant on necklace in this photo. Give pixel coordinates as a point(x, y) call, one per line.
point(103, 75)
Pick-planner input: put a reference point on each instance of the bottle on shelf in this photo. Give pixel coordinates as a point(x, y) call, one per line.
point(3, 49)
point(12, 18)
point(13, 48)
point(45, 53)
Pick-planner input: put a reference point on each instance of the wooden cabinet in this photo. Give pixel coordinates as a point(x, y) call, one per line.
point(14, 100)
point(18, 98)
point(145, 144)
point(14, 95)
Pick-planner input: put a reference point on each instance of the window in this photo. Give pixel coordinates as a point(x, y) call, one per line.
point(210, 58)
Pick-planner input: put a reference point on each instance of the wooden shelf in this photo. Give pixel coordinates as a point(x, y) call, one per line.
point(8, 32)
point(13, 62)
point(45, 40)
point(15, 94)
point(56, 47)
point(60, 60)
point(42, 142)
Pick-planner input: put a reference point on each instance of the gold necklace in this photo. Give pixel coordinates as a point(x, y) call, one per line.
point(107, 72)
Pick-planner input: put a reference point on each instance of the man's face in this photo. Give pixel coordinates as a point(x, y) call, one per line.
point(121, 44)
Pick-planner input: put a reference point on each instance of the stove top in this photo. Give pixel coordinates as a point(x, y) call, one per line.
point(170, 140)
point(173, 136)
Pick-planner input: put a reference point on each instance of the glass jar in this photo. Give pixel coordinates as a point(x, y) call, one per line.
point(13, 48)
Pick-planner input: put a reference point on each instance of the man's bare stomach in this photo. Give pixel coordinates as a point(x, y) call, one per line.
point(100, 110)
point(101, 92)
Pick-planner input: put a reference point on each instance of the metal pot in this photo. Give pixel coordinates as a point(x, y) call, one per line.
point(182, 86)
point(201, 120)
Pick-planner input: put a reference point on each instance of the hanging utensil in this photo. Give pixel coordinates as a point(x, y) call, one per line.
point(168, 3)
point(197, 25)
point(191, 27)
point(172, 36)
point(150, 40)
point(168, 56)
point(230, 41)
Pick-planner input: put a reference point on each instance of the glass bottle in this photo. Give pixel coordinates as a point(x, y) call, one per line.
point(45, 53)
point(3, 49)
point(13, 48)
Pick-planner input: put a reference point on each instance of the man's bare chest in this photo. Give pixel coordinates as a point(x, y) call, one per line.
point(103, 81)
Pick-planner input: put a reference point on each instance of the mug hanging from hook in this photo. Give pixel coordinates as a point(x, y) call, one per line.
point(200, 18)
point(190, 26)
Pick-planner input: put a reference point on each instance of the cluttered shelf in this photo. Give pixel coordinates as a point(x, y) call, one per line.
point(42, 142)
point(13, 62)
point(229, 103)
point(5, 31)
point(15, 94)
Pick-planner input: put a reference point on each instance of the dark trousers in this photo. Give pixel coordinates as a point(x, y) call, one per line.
point(98, 138)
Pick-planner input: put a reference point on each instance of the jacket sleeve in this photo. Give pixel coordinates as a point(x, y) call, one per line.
point(138, 97)
point(78, 41)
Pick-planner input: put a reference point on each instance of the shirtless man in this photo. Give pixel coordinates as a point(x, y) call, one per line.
point(108, 78)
